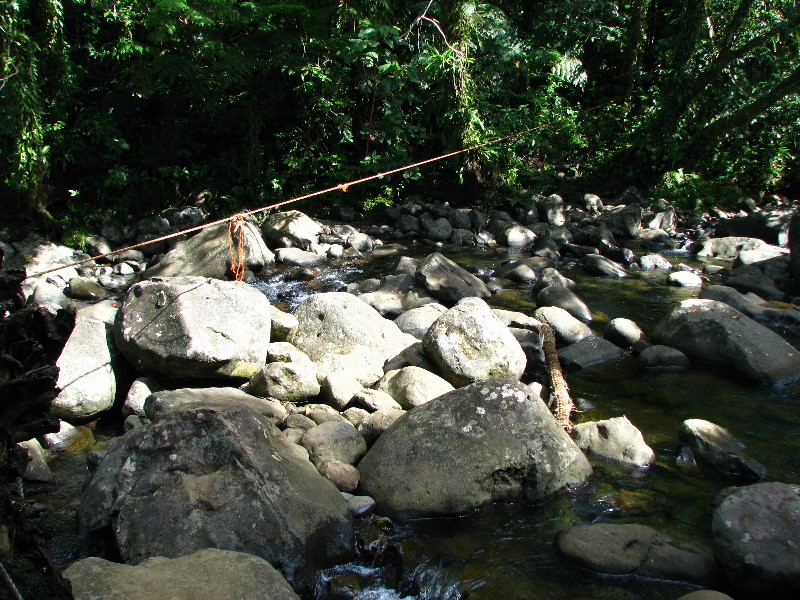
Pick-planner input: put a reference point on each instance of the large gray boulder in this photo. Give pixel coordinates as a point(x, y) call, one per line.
point(448, 282)
point(567, 328)
point(334, 440)
point(340, 332)
point(469, 343)
point(727, 247)
point(292, 228)
point(633, 549)
point(192, 326)
point(715, 447)
point(490, 441)
point(209, 573)
point(770, 226)
point(166, 401)
point(418, 320)
point(754, 533)
point(208, 254)
point(87, 368)
point(594, 264)
point(558, 295)
point(750, 304)
point(713, 331)
point(590, 351)
point(221, 477)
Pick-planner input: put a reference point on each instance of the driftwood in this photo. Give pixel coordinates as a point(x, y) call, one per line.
point(560, 400)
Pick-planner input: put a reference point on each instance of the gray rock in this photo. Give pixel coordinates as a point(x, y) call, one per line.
point(663, 357)
point(460, 218)
point(587, 352)
point(705, 595)
point(410, 223)
point(189, 216)
point(750, 278)
point(713, 331)
point(161, 403)
point(203, 477)
point(412, 386)
point(334, 441)
point(754, 533)
point(86, 371)
point(37, 469)
point(469, 343)
point(550, 276)
point(360, 241)
point(209, 573)
point(139, 391)
point(614, 439)
point(165, 326)
point(360, 506)
point(418, 320)
point(715, 447)
point(625, 222)
point(727, 247)
point(373, 426)
point(283, 325)
point(299, 258)
point(292, 228)
point(374, 400)
point(339, 332)
point(68, 438)
point(684, 279)
point(592, 203)
point(567, 328)
point(207, 254)
point(489, 441)
point(770, 226)
point(594, 264)
point(632, 549)
point(86, 288)
point(516, 236)
point(438, 230)
point(341, 474)
point(446, 281)
point(623, 332)
point(285, 381)
point(552, 210)
point(750, 304)
point(338, 389)
point(654, 261)
point(557, 295)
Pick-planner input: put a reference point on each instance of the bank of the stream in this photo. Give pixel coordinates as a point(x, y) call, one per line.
point(506, 551)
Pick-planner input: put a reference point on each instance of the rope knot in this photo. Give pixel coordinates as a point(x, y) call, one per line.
point(237, 249)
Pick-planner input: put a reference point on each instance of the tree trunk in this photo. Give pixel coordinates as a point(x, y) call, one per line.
point(560, 400)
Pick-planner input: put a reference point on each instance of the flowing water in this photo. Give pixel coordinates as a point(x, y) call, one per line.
point(506, 551)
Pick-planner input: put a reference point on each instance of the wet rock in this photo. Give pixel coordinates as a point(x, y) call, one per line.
point(68, 438)
point(587, 352)
point(550, 276)
point(556, 295)
point(516, 236)
point(492, 440)
point(446, 281)
point(663, 357)
point(684, 279)
point(631, 549)
point(715, 447)
point(750, 304)
point(207, 254)
point(712, 331)
point(37, 469)
point(754, 533)
point(339, 332)
point(567, 328)
point(654, 261)
point(438, 230)
point(165, 326)
point(595, 264)
point(86, 288)
point(167, 401)
point(614, 439)
point(209, 573)
point(623, 332)
point(413, 386)
point(750, 278)
point(727, 247)
point(625, 222)
point(299, 258)
point(469, 343)
point(200, 476)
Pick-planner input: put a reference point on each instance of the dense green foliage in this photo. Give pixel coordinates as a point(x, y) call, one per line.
point(118, 106)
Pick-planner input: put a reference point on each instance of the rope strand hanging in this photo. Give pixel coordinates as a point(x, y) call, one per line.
point(340, 187)
point(236, 229)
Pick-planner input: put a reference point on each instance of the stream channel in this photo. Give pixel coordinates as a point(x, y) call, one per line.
point(505, 551)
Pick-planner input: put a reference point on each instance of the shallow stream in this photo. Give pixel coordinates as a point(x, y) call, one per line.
point(506, 551)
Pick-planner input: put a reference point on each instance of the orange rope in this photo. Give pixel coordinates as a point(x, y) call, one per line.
point(342, 187)
point(236, 228)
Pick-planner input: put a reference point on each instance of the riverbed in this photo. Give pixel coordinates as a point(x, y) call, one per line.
point(506, 551)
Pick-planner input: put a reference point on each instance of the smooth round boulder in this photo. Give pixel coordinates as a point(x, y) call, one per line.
point(614, 439)
point(623, 332)
point(418, 320)
point(754, 533)
point(659, 357)
point(192, 327)
point(557, 295)
point(413, 386)
point(469, 343)
point(490, 441)
point(594, 264)
point(567, 328)
point(715, 447)
point(684, 279)
point(292, 228)
point(334, 440)
point(448, 282)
